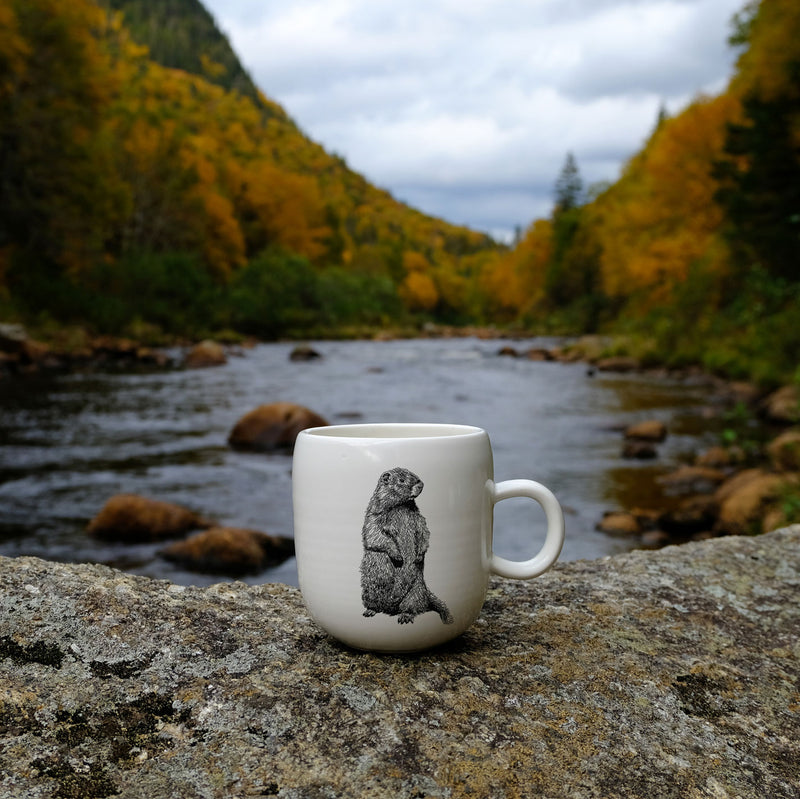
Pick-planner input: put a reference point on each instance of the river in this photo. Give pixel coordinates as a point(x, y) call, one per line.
point(68, 442)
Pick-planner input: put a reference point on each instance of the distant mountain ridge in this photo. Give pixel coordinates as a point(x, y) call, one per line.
point(182, 34)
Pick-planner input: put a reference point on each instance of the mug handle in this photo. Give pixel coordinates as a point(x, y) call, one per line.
point(554, 539)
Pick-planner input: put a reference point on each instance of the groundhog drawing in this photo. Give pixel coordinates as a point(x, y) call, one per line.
point(396, 538)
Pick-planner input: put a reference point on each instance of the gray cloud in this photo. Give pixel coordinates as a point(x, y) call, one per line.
point(467, 109)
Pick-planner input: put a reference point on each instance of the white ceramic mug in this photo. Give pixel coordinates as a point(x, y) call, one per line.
point(393, 531)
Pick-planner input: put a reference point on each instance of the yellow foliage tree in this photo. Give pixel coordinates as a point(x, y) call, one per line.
point(514, 281)
point(660, 217)
point(418, 292)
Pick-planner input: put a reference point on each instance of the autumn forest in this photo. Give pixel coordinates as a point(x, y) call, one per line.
point(148, 188)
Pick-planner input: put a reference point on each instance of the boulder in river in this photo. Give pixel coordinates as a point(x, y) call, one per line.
point(272, 426)
point(746, 497)
point(692, 515)
point(620, 524)
point(230, 551)
point(641, 450)
point(652, 430)
point(692, 480)
point(784, 451)
point(206, 353)
point(783, 405)
point(539, 354)
point(132, 518)
point(304, 352)
point(618, 363)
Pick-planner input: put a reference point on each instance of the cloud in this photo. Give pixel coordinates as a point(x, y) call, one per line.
point(467, 109)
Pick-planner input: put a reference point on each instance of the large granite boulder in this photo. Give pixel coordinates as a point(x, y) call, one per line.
point(671, 674)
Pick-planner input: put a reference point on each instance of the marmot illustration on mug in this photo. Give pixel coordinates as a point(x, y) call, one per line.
point(395, 537)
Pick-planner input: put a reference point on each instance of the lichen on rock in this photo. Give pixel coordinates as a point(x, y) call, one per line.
point(670, 673)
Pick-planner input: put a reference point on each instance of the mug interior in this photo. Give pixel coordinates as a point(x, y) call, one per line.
point(393, 430)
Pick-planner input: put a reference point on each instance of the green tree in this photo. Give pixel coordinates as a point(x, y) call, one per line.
point(759, 174)
point(569, 187)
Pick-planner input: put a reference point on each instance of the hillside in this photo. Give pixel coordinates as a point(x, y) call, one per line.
point(182, 34)
point(163, 174)
point(693, 252)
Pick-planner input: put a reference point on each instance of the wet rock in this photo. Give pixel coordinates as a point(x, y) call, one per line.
point(206, 353)
point(230, 551)
point(720, 457)
point(650, 430)
point(272, 426)
point(12, 337)
point(669, 673)
point(783, 405)
point(539, 354)
point(617, 363)
point(304, 353)
point(784, 451)
point(745, 498)
point(508, 351)
point(654, 539)
point(692, 515)
point(133, 518)
point(641, 450)
point(619, 523)
point(692, 480)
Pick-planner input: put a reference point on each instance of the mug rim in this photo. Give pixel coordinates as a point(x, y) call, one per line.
point(392, 431)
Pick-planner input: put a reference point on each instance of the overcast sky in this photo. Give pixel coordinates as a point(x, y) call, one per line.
point(466, 109)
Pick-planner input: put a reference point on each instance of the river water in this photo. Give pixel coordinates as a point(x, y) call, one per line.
point(69, 442)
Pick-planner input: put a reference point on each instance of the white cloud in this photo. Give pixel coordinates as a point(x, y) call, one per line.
point(467, 109)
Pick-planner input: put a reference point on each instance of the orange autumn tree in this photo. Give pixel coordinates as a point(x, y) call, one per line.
point(514, 282)
point(58, 189)
point(418, 291)
point(660, 217)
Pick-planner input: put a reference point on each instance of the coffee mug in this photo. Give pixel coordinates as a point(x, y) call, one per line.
point(393, 531)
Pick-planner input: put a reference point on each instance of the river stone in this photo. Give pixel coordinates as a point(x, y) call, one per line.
point(650, 430)
point(783, 405)
point(619, 523)
point(669, 673)
point(784, 451)
point(692, 480)
point(206, 353)
point(133, 518)
point(229, 550)
point(273, 426)
point(745, 497)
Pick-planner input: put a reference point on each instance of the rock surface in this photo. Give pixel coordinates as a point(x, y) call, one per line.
point(671, 674)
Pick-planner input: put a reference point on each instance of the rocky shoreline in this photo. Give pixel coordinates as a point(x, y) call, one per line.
point(723, 491)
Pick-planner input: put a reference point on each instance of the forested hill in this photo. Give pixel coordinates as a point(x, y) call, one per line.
point(694, 251)
point(182, 34)
point(164, 191)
